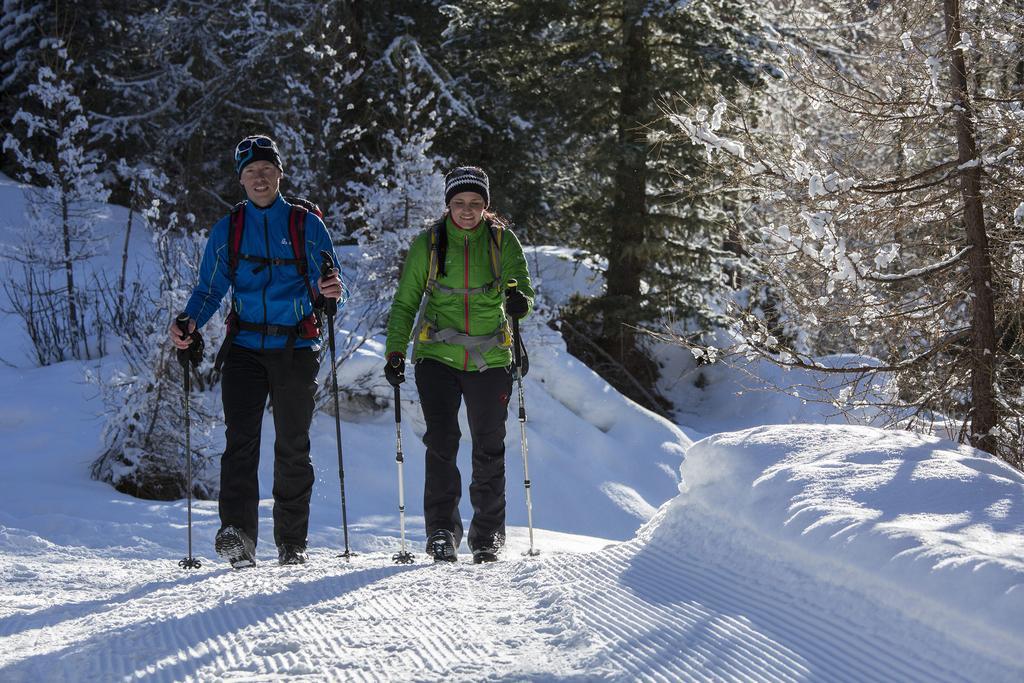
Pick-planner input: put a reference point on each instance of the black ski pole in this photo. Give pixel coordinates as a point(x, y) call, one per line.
point(403, 556)
point(190, 356)
point(331, 309)
point(518, 360)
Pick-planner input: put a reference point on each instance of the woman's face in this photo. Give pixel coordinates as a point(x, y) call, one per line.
point(466, 208)
point(261, 180)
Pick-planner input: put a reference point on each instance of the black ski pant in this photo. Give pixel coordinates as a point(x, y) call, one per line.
point(487, 393)
point(249, 376)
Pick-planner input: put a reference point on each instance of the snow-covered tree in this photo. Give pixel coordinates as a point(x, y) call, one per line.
point(21, 27)
point(398, 186)
point(146, 194)
point(315, 123)
point(144, 438)
point(577, 86)
point(888, 182)
point(403, 186)
point(50, 144)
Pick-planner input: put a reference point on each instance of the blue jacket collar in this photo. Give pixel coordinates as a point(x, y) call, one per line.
point(279, 207)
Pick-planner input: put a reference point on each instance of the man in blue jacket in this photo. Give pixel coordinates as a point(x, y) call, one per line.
point(272, 349)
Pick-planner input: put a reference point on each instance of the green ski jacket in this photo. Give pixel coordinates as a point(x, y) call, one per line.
point(467, 266)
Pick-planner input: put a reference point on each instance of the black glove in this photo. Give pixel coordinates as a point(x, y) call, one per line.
point(516, 303)
point(394, 371)
point(194, 353)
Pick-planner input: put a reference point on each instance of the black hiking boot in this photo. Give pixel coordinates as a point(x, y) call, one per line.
point(291, 554)
point(481, 555)
point(487, 551)
point(441, 546)
point(236, 547)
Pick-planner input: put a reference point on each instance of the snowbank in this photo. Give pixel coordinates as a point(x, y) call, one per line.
point(738, 393)
point(908, 519)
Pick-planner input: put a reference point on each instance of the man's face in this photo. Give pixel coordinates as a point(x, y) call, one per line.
point(261, 180)
point(466, 209)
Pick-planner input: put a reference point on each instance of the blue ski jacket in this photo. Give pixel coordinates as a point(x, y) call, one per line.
point(263, 293)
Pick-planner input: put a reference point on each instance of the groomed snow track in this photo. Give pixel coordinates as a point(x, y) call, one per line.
point(633, 611)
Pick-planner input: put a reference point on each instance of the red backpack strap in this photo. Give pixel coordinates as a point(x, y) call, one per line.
point(297, 235)
point(236, 227)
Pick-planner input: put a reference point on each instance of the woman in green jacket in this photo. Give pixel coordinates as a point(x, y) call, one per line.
point(453, 302)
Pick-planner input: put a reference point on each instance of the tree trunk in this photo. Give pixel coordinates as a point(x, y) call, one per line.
point(983, 400)
point(625, 252)
point(124, 261)
point(69, 272)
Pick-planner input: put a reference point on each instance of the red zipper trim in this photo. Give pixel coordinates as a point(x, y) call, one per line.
point(465, 362)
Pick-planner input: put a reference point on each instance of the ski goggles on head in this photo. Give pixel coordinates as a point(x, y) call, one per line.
point(246, 145)
point(254, 148)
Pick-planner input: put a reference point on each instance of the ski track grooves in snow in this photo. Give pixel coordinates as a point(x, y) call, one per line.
point(634, 611)
point(668, 616)
point(370, 620)
point(197, 624)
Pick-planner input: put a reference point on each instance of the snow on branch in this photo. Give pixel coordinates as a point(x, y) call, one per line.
point(701, 131)
point(918, 272)
point(405, 51)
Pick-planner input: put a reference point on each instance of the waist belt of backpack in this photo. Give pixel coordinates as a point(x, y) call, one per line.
point(421, 318)
point(263, 261)
point(476, 346)
point(266, 329)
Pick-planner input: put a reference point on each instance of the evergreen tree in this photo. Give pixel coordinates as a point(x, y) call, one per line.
point(316, 124)
point(49, 143)
point(582, 82)
point(890, 217)
point(185, 81)
point(403, 187)
point(398, 185)
point(90, 33)
point(21, 29)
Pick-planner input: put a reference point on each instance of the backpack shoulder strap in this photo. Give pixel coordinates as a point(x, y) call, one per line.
point(307, 205)
point(497, 232)
point(437, 251)
point(297, 236)
point(441, 247)
point(236, 226)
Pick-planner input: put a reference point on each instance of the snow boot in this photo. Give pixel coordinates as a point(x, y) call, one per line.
point(441, 546)
point(482, 555)
point(236, 547)
point(487, 551)
point(291, 554)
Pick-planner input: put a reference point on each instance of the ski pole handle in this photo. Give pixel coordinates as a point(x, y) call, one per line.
point(194, 352)
point(326, 266)
point(398, 405)
point(182, 322)
point(183, 354)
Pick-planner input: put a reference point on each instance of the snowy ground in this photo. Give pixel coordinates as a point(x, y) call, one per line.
point(768, 553)
point(804, 553)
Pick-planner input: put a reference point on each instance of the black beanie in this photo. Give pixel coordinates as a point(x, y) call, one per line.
point(466, 179)
point(260, 148)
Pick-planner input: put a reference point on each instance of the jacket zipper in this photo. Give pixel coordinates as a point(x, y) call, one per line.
point(465, 361)
point(270, 274)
